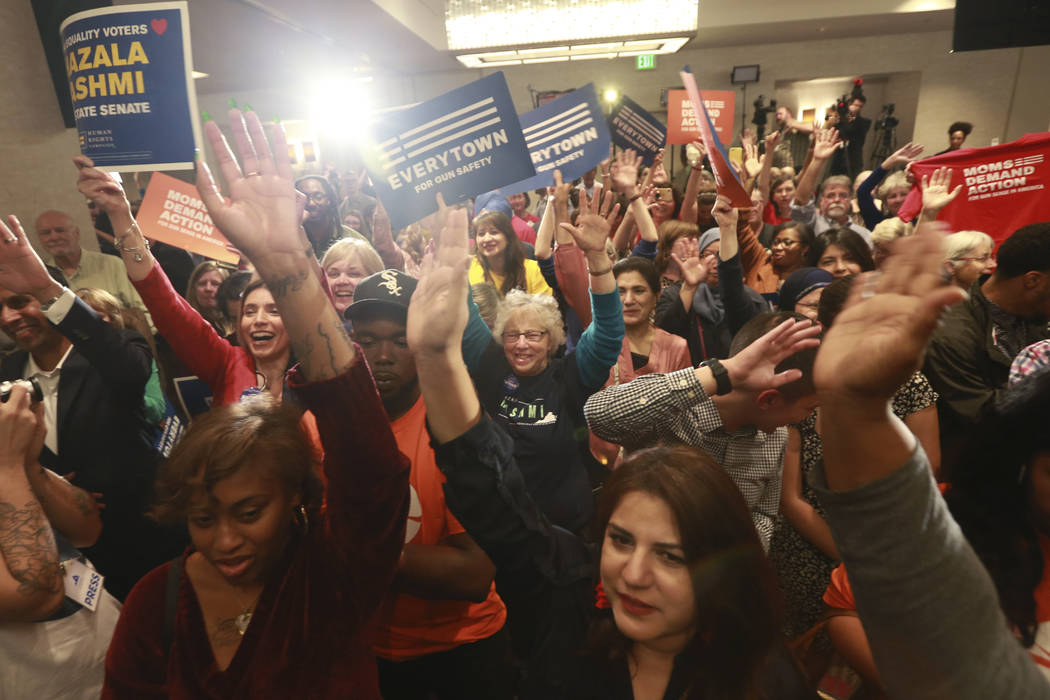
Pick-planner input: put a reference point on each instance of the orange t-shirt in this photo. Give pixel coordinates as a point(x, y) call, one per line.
point(410, 626)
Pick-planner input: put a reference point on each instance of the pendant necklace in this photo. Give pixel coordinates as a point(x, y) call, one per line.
point(244, 619)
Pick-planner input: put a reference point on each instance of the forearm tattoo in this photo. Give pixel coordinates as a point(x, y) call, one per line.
point(29, 548)
point(292, 283)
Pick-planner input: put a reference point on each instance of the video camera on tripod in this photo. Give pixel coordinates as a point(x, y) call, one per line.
point(761, 114)
point(886, 119)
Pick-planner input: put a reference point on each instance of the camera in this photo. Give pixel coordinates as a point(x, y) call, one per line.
point(842, 106)
point(36, 393)
point(886, 119)
point(761, 112)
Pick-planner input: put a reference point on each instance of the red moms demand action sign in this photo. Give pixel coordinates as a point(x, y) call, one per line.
point(682, 126)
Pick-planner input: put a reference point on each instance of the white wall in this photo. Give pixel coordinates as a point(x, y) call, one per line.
point(35, 147)
point(971, 86)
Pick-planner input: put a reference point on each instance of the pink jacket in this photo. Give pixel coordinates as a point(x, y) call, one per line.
point(667, 354)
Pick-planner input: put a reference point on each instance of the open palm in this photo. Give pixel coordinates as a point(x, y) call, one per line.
point(879, 338)
point(437, 313)
point(21, 269)
point(261, 217)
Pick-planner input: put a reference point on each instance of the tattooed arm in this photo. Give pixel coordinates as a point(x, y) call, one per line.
point(30, 577)
point(70, 510)
point(263, 220)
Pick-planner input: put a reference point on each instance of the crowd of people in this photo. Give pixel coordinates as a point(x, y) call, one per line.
point(615, 438)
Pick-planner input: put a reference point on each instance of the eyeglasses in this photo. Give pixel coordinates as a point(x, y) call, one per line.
point(981, 259)
point(785, 242)
point(511, 337)
point(708, 255)
point(317, 197)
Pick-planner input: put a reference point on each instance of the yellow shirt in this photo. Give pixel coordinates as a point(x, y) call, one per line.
point(534, 282)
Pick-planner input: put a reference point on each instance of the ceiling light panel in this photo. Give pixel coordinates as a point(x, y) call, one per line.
point(475, 24)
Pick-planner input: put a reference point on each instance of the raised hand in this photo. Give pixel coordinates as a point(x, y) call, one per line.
point(21, 269)
point(437, 313)
point(753, 369)
point(903, 156)
point(692, 268)
point(878, 339)
point(726, 216)
point(773, 140)
point(752, 166)
point(261, 218)
point(560, 193)
point(101, 188)
point(657, 173)
point(935, 194)
point(625, 172)
point(747, 137)
point(594, 222)
point(827, 141)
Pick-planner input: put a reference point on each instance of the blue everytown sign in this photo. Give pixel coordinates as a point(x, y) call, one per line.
point(130, 77)
point(568, 134)
point(633, 127)
point(460, 144)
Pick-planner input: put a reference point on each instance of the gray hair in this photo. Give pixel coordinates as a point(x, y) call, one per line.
point(957, 245)
point(544, 307)
point(834, 180)
point(893, 181)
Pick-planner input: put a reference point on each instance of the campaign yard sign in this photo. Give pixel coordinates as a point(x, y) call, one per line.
point(633, 127)
point(460, 144)
point(569, 134)
point(682, 124)
point(172, 212)
point(130, 78)
point(725, 177)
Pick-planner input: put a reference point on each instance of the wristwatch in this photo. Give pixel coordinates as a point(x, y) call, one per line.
point(721, 374)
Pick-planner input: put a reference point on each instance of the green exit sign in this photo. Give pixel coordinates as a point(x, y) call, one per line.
point(647, 61)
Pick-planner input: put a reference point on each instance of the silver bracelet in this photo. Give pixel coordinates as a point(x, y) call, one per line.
point(121, 248)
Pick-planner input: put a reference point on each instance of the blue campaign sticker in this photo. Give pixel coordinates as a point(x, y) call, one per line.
point(460, 144)
point(633, 127)
point(130, 78)
point(569, 134)
point(511, 384)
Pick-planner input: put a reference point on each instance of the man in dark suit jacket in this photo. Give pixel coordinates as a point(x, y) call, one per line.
point(93, 378)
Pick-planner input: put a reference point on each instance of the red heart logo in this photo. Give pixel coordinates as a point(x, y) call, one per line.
point(159, 25)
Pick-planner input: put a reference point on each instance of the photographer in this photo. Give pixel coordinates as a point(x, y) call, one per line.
point(853, 130)
point(60, 655)
point(93, 377)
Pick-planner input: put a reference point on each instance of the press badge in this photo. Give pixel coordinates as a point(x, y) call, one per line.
point(83, 584)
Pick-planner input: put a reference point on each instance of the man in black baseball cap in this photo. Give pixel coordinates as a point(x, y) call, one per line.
point(441, 631)
point(379, 314)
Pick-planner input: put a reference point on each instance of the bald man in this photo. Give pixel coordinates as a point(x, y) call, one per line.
point(60, 238)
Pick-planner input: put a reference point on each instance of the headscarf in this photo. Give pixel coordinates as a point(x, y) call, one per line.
point(800, 283)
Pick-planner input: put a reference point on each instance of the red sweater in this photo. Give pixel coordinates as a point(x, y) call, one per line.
point(227, 369)
point(310, 635)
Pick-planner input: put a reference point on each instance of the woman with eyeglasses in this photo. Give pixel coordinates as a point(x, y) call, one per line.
point(538, 398)
point(967, 256)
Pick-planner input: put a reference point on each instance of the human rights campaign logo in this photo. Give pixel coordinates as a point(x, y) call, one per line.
point(568, 134)
point(633, 127)
point(462, 143)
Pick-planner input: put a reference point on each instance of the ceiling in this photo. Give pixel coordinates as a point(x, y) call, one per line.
point(247, 45)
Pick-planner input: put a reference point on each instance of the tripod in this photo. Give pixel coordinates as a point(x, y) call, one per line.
point(885, 140)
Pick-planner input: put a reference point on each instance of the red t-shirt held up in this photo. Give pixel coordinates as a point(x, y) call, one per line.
point(1004, 187)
